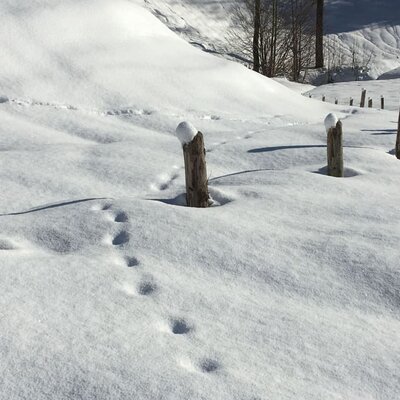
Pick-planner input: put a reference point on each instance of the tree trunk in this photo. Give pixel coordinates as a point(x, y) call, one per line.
point(256, 37)
point(397, 149)
point(319, 35)
point(196, 172)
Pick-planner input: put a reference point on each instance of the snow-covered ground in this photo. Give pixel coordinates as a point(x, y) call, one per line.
point(288, 288)
point(343, 91)
point(368, 27)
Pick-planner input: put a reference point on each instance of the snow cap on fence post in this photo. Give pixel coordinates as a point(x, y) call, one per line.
point(330, 121)
point(186, 132)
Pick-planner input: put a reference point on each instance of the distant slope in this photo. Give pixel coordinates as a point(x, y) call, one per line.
point(371, 26)
point(54, 52)
point(392, 74)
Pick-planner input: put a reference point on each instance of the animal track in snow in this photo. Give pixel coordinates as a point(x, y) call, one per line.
point(131, 262)
point(106, 206)
point(180, 327)
point(128, 111)
point(168, 183)
point(6, 245)
point(209, 365)
point(121, 238)
point(121, 217)
point(146, 288)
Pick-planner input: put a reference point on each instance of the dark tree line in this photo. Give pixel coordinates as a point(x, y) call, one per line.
point(280, 36)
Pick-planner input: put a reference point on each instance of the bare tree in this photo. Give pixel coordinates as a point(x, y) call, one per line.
point(319, 35)
point(256, 35)
point(277, 34)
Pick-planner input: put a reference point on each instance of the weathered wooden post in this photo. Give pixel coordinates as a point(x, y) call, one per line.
point(323, 98)
point(369, 102)
point(195, 165)
point(363, 96)
point(382, 103)
point(336, 101)
point(351, 101)
point(334, 146)
point(397, 149)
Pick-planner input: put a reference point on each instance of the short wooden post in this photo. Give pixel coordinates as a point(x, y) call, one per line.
point(351, 101)
point(397, 149)
point(335, 151)
point(336, 101)
point(323, 98)
point(363, 96)
point(196, 172)
point(382, 103)
point(369, 102)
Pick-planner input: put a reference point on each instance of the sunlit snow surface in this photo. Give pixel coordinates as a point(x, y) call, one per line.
point(288, 288)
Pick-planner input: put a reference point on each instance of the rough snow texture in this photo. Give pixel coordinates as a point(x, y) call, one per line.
point(330, 121)
point(110, 289)
point(186, 132)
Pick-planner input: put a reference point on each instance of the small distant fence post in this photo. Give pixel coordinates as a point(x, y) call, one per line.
point(336, 101)
point(369, 102)
point(363, 96)
point(351, 101)
point(323, 98)
point(382, 103)
point(397, 149)
point(335, 151)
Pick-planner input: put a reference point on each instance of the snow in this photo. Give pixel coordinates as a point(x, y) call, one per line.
point(369, 27)
point(330, 121)
point(393, 74)
point(186, 132)
point(343, 91)
point(111, 289)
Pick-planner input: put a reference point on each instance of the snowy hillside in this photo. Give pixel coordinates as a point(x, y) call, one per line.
point(372, 28)
point(287, 288)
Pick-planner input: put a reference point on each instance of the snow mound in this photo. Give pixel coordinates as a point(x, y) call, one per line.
point(330, 121)
point(75, 43)
point(369, 27)
point(186, 132)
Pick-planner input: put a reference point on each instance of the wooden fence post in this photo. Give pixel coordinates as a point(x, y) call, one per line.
point(323, 98)
point(363, 96)
point(382, 103)
point(195, 165)
point(351, 101)
point(369, 102)
point(336, 101)
point(335, 151)
point(397, 149)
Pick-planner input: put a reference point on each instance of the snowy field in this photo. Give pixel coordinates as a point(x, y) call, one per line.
point(343, 91)
point(288, 288)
